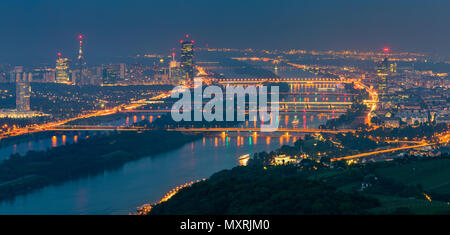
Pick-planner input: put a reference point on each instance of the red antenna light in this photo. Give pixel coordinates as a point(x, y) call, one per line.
point(386, 49)
point(59, 54)
point(80, 36)
point(187, 35)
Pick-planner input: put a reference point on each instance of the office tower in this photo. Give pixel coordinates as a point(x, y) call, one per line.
point(13, 73)
point(23, 91)
point(110, 74)
point(172, 64)
point(187, 59)
point(393, 67)
point(175, 74)
point(383, 70)
point(122, 70)
point(38, 75)
point(49, 75)
point(62, 70)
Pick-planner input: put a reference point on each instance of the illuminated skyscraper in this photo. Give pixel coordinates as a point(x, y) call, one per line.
point(383, 71)
point(122, 70)
point(187, 58)
point(111, 74)
point(23, 91)
point(62, 70)
point(175, 73)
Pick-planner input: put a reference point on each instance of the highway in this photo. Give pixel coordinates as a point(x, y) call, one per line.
point(443, 139)
point(55, 125)
point(283, 80)
point(237, 129)
point(282, 110)
point(219, 129)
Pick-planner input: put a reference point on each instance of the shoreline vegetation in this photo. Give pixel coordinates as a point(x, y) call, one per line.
point(23, 174)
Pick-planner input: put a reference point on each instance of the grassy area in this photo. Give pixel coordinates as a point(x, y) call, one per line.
point(393, 205)
point(433, 175)
point(323, 174)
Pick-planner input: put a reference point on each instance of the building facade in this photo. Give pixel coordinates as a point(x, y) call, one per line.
point(62, 70)
point(187, 59)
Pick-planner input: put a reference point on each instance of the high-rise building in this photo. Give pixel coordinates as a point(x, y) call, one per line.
point(23, 95)
point(23, 91)
point(393, 67)
point(383, 70)
point(62, 70)
point(187, 59)
point(111, 74)
point(122, 70)
point(13, 73)
point(49, 76)
point(43, 75)
point(175, 73)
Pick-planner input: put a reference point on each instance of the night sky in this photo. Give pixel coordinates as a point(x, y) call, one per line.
point(33, 31)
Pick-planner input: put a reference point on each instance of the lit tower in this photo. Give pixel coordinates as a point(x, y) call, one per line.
point(81, 61)
point(172, 64)
point(187, 59)
point(80, 64)
point(62, 69)
point(382, 72)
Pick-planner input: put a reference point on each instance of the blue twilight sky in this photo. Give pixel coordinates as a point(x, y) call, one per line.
point(32, 31)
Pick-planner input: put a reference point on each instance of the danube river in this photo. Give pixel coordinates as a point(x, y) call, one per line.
point(143, 181)
point(146, 180)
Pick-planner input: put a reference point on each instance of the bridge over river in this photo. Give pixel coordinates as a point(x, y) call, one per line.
point(216, 129)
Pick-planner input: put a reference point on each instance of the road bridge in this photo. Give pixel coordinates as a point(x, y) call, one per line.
point(200, 129)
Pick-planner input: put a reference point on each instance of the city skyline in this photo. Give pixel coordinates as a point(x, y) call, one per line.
point(120, 29)
point(255, 107)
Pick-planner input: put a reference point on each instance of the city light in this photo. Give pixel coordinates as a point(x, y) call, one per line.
point(274, 109)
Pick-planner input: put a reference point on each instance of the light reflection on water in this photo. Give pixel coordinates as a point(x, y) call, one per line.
point(142, 181)
point(146, 180)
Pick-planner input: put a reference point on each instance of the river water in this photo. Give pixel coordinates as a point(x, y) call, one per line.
point(146, 180)
point(142, 181)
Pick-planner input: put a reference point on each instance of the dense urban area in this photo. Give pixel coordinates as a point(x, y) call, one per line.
point(359, 132)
